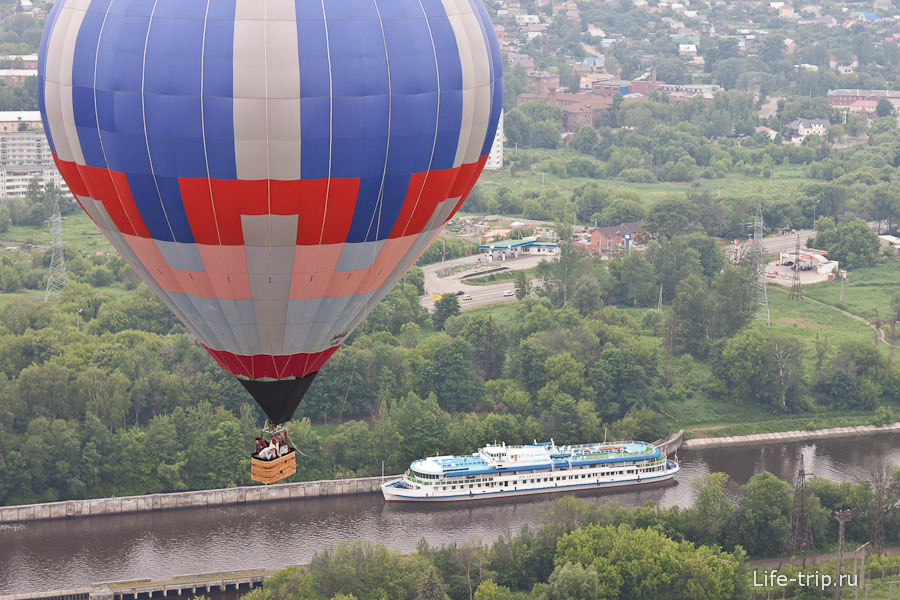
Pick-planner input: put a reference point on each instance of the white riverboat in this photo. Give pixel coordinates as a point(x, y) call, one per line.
point(502, 471)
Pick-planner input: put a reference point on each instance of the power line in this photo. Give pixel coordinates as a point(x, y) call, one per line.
point(796, 292)
point(799, 542)
point(760, 266)
point(842, 516)
point(58, 275)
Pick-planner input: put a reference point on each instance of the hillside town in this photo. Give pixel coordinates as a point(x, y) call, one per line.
point(587, 57)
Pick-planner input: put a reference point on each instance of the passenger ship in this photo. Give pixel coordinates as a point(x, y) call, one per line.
point(504, 471)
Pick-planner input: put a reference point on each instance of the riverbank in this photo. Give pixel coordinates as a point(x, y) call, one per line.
point(196, 499)
point(789, 436)
point(219, 497)
point(363, 485)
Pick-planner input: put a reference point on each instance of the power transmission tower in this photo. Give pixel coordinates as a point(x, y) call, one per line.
point(796, 292)
point(799, 542)
point(842, 516)
point(56, 279)
point(877, 538)
point(760, 265)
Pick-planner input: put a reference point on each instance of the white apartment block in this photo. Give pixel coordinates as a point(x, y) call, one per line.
point(14, 180)
point(12, 120)
point(495, 158)
point(25, 155)
point(24, 148)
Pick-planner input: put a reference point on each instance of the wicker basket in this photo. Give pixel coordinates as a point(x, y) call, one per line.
point(273, 471)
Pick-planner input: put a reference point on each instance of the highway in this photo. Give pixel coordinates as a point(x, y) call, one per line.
point(784, 243)
point(482, 295)
point(493, 294)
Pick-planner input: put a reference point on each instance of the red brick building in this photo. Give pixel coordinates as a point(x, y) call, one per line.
point(604, 239)
point(578, 109)
point(543, 82)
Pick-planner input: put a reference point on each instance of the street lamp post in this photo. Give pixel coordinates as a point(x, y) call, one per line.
point(814, 212)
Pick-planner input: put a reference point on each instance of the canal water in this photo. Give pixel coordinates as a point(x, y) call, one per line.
point(65, 554)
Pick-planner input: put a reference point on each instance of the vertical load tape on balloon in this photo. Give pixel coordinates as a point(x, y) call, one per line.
point(270, 168)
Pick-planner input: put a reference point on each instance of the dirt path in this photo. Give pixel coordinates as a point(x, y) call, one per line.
point(769, 563)
point(878, 331)
point(709, 428)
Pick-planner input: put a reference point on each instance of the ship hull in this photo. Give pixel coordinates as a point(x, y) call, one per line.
point(396, 494)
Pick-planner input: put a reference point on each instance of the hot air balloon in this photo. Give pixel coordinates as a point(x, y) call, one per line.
point(270, 168)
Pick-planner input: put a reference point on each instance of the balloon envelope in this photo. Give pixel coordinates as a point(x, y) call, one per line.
point(270, 168)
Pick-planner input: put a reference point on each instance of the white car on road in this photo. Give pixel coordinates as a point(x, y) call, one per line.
point(508, 293)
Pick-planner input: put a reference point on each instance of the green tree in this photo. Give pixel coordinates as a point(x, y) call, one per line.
point(712, 511)
point(447, 370)
point(884, 108)
point(488, 590)
point(672, 215)
point(857, 125)
point(431, 587)
point(522, 285)
point(853, 244)
point(5, 219)
point(763, 369)
point(763, 515)
point(585, 140)
point(674, 259)
point(571, 581)
point(446, 307)
point(422, 425)
point(635, 279)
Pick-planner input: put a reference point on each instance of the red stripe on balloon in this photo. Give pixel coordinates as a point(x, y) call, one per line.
point(325, 207)
point(465, 181)
point(426, 191)
point(69, 172)
point(465, 188)
point(259, 366)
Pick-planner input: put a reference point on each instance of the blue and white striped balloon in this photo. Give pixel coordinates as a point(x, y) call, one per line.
point(270, 168)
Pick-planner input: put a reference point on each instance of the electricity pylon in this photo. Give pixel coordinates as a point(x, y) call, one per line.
point(58, 275)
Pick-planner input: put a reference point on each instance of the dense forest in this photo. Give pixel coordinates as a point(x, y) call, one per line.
point(108, 383)
point(581, 550)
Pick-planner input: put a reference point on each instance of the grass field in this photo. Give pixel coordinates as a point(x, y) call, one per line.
point(864, 289)
point(804, 320)
point(498, 277)
point(784, 179)
point(79, 234)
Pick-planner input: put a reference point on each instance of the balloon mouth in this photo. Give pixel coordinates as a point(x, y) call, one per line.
point(278, 398)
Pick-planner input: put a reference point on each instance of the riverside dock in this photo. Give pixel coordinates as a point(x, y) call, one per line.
point(180, 586)
point(789, 436)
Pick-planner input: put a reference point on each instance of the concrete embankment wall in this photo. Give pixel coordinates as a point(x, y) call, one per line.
point(202, 498)
point(670, 444)
point(789, 436)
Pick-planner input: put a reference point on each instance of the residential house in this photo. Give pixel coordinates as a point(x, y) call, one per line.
point(800, 128)
point(865, 107)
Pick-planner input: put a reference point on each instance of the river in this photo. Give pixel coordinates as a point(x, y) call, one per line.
point(66, 554)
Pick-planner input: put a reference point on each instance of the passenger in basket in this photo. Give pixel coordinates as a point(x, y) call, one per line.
point(260, 444)
point(283, 447)
point(269, 452)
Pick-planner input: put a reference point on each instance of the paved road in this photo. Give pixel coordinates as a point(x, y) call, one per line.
point(783, 243)
point(493, 294)
point(481, 295)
